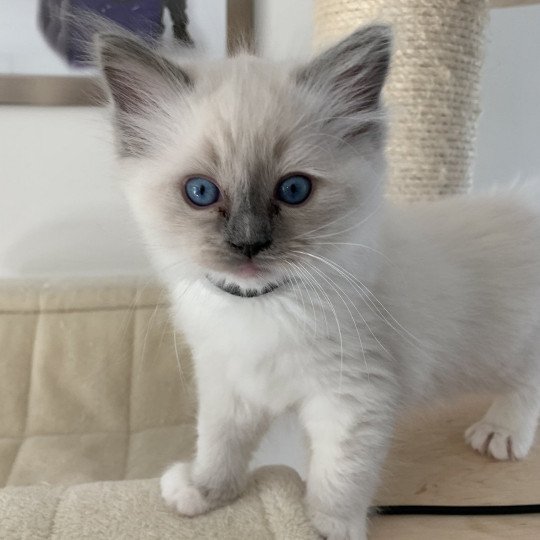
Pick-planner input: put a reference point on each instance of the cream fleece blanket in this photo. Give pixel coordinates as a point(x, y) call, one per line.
point(96, 397)
point(270, 509)
point(94, 385)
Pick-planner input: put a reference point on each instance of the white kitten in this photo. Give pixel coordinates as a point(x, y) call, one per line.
point(259, 189)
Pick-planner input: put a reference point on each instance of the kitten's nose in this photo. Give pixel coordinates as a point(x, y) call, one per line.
point(250, 250)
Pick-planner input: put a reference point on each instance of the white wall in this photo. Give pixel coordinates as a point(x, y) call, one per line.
point(61, 210)
point(284, 29)
point(508, 144)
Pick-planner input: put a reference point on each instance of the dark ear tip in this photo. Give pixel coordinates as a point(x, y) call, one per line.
point(380, 33)
point(384, 29)
point(108, 45)
point(105, 44)
point(387, 34)
point(105, 38)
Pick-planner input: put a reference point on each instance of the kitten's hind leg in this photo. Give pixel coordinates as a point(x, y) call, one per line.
point(507, 430)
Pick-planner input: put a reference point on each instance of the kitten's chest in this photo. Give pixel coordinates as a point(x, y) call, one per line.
point(259, 352)
point(273, 382)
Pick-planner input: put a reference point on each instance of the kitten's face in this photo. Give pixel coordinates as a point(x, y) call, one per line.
point(239, 169)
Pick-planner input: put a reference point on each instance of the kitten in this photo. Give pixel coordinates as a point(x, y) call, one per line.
point(259, 188)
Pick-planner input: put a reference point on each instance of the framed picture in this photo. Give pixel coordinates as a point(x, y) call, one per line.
point(42, 43)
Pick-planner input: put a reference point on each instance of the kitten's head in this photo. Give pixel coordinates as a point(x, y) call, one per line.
point(239, 169)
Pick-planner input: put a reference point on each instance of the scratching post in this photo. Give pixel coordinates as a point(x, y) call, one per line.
point(433, 89)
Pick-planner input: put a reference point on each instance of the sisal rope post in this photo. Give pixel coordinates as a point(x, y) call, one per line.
point(433, 88)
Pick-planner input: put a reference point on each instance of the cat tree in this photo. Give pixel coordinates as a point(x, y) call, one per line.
point(433, 89)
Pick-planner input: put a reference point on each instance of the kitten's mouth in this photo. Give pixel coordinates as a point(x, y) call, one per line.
point(236, 290)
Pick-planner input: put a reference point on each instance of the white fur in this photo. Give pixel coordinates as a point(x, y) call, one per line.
point(460, 285)
point(178, 492)
point(384, 306)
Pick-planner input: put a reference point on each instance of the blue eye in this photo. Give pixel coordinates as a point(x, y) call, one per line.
point(294, 189)
point(201, 191)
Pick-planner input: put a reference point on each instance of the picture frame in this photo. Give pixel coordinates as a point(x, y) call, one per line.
point(66, 88)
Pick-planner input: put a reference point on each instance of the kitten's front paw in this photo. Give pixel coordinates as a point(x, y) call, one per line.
point(178, 491)
point(500, 442)
point(335, 528)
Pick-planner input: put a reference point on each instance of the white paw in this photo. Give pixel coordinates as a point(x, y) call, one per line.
point(335, 528)
point(178, 491)
point(500, 442)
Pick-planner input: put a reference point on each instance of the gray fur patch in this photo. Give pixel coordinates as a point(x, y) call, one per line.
point(137, 77)
point(249, 223)
point(352, 74)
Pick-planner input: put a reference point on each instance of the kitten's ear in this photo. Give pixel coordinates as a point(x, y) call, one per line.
point(352, 73)
point(135, 73)
point(140, 82)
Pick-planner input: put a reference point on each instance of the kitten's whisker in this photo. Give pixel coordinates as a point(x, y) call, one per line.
point(291, 282)
point(124, 325)
point(352, 227)
point(150, 322)
point(295, 289)
point(178, 363)
point(370, 304)
point(372, 295)
point(369, 248)
point(362, 317)
point(334, 312)
point(310, 281)
point(368, 300)
point(335, 288)
point(332, 308)
point(333, 222)
point(302, 300)
point(363, 291)
point(310, 299)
